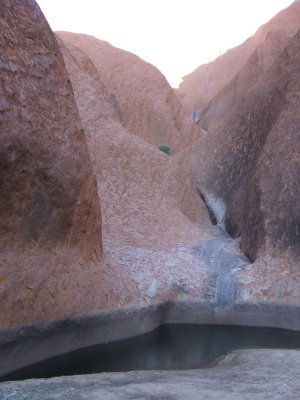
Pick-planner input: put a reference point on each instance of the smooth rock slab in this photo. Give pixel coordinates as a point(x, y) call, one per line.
point(250, 374)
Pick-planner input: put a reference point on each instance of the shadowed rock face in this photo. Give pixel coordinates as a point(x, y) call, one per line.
point(50, 218)
point(251, 160)
point(143, 101)
point(248, 164)
point(48, 195)
point(271, 165)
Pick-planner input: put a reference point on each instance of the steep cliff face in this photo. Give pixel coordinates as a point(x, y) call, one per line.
point(268, 142)
point(50, 218)
point(144, 102)
point(158, 241)
point(251, 161)
point(243, 65)
point(53, 265)
point(247, 166)
point(46, 177)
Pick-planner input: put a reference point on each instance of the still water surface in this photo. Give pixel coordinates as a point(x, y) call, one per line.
point(171, 346)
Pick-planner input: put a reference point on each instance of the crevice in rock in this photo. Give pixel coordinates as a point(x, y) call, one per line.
point(210, 210)
point(232, 228)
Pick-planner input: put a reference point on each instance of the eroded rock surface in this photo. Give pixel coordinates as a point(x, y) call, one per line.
point(142, 99)
point(248, 164)
point(154, 222)
point(243, 65)
point(50, 222)
point(158, 241)
point(162, 259)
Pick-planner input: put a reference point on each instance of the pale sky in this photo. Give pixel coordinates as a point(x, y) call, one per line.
point(175, 35)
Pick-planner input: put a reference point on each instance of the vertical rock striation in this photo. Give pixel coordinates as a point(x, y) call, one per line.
point(50, 218)
point(249, 159)
point(48, 194)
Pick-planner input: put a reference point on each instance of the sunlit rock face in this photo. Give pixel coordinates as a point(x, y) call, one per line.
point(203, 84)
point(143, 101)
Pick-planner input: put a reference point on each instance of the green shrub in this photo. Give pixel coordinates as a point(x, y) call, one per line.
point(165, 149)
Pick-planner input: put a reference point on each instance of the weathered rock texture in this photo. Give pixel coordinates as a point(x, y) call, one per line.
point(47, 187)
point(161, 252)
point(243, 64)
point(50, 218)
point(155, 226)
point(252, 160)
point(152, 217)
point(249, 163)
point(143, 101)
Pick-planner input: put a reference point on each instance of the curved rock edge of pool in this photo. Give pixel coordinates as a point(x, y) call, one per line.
point(242, 374)
point(28, 345)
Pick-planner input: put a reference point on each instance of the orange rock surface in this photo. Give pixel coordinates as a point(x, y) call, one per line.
point(249, 159)
point(152, 216)
point(51, 261)
point(81, 122)
point(143, 101)
point(203, 84)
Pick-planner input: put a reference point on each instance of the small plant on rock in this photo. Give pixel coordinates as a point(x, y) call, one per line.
point(165, 149)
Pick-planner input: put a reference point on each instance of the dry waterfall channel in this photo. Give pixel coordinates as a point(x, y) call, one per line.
point(222, 256)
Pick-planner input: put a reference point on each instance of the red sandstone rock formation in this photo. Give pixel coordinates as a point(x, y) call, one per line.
point(150, 211)
point(50, 220)
point(202, 85)
point(158, 241)
point(52, 262)
point(249, 161)
point(144, 102)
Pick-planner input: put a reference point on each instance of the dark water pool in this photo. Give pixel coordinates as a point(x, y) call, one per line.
point(171, 346)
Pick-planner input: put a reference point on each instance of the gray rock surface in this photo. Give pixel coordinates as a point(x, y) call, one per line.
point(247, 375)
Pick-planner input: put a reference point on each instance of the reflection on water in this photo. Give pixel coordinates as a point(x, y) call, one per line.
point(172, 346)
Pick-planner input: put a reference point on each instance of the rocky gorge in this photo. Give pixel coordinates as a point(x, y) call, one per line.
point(105, 237)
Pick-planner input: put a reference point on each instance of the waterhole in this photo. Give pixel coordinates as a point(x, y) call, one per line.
point(169, 347)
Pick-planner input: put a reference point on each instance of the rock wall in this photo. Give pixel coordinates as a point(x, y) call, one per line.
point(50, 219)
point(243, 65)
point(251, 161)
point(149, 206)
point(144, 102)
point(161, 259)
point(53, 265)
point(48, 190)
